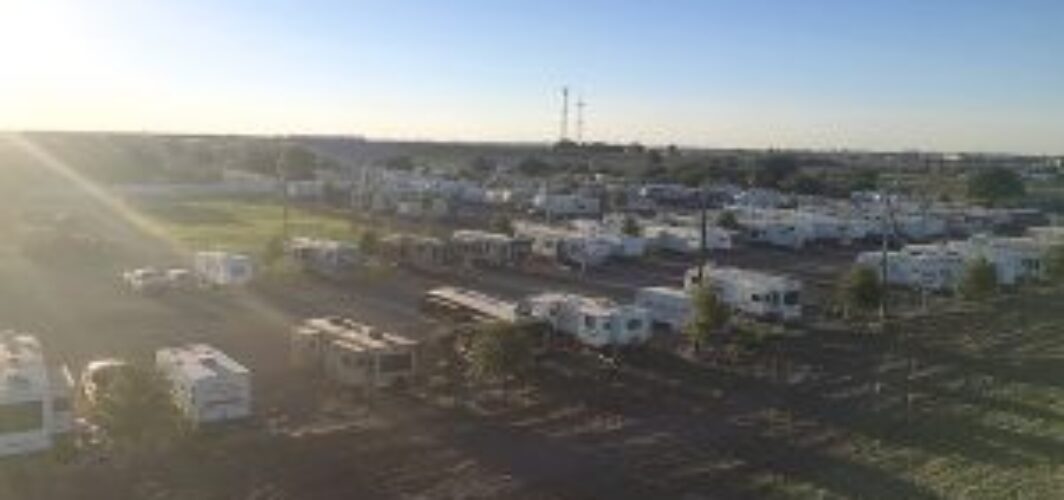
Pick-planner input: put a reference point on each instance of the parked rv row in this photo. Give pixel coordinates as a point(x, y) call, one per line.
point(209, 269)
point(37, 408)
point(941, 266)
point(599, 322)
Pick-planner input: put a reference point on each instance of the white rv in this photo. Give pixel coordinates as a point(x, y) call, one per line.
point(682, 239)
point(752, 292)
point(928, 267)
point(222, 268)
point(565, 205)
point(35, 400)
point(594, 322)
point(205, 384)
point(565, 245)
point(666, 306)
point(328, 258)
point(352, 353)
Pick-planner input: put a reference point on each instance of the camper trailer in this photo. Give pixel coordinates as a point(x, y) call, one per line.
point(688, 240)
point(205, 384)
point(593, 322)
point(566, 246)
point(353, 354)
point(930, 267)
point(667, 307)
point(754, 293)
point(35, 399)
point(328, 258)
point(468, 305)
point(489, 249)
point(423, 253)
point(222, 268)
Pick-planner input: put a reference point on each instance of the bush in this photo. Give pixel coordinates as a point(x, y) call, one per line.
point(860, 289)
point(980, 280)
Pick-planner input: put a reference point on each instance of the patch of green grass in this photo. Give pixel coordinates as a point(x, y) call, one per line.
point(242, 226)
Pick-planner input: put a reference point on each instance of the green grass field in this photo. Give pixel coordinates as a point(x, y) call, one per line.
point(244, 226)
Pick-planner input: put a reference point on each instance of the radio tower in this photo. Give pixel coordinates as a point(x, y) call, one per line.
point(565, 115)
point(580, 104)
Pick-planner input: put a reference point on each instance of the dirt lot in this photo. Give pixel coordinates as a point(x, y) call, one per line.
point(819, 415)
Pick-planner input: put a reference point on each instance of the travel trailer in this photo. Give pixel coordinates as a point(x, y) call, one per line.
point(932, 267)
point(353, 354)
point(591, 321)
point(423, 253)
point(206, 385)
point(687, 240)
point(667, 307)
point(754, 293)
point(35, 399)
point(489, 249)
point(565, 246)
point(328, 258)
point(468, 305)
point(222, 268)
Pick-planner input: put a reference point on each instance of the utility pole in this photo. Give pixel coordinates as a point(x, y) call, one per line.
point(282, 181)
point(703, 254)
point(580, 105)
point(564, 132)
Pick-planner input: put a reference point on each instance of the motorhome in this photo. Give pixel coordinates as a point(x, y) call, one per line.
point(206, 385)
point(489, 249)
point(352, 353)
point(222, 268)
point(667, 307)
point(750, 292)
point(35, 399)
point(594, 322)
point(468, 305)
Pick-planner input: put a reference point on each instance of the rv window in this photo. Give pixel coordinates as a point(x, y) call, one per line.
point(790, 298)
point(589, 322)
point(21, 417)
point(755, 297)
point(61, 404)
point(396, 362)
point(635, 324)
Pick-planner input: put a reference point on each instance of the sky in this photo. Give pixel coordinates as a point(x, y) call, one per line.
point(950, 75)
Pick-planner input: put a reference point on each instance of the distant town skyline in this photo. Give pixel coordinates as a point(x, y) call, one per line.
point(950, 75)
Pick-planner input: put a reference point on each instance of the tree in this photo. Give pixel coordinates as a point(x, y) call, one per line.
point(727, 220)
point(773, 170)
point(1055, 264)
point(502, 224)
point(136, 410)
point(980, 280)
point(709, 314)
point(994, 185)
point(274, 250)
point(631, 226)
point(497, 351)
point(369, 242)
point(860, 289)
point(297, 163)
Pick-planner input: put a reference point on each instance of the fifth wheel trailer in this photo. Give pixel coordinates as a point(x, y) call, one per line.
point(206, 385)
point(352, 353)
point(750, 292)
point(592, 321)
point(35, 399)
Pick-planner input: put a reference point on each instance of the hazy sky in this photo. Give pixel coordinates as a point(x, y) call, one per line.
point(887, 74)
